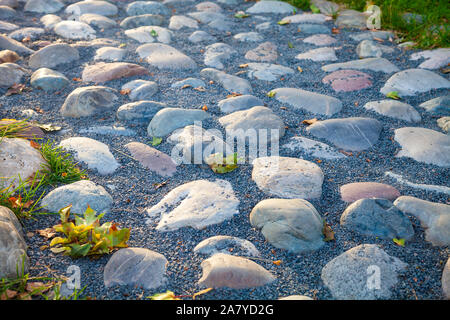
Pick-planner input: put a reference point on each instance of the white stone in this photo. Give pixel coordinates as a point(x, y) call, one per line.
point(319, 54)
point(313, 148)
point(74, 30)
point(144, 34)
point(434, 59)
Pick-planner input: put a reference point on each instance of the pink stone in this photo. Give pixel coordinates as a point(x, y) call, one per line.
point(152, 159)
point(102, 71)
point(348, 80)
point(360, 190)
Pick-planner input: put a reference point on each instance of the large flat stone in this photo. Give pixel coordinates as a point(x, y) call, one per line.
point(165, 57)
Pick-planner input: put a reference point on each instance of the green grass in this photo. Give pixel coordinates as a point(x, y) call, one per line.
point(433, 32)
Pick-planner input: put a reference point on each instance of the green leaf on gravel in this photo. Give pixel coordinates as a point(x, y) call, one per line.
point(153, 33)
point(283, 22)
point(271, 94)
point(290, 45)
point(220, 164)
point(241, 15)
point(393, 95)
point(156, 141)
point(48, 127)
point(168, 295)
point(314, 9)
point(400, 242)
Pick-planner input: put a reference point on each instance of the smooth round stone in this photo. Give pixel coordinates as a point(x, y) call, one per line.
point(288, 177)
point(191, 82)
point(320, 40)
point(48, 80)
point(319, 54)
point(412, 81)
point(313, 28)
point(81, 195)
point(208, 6)
point(248, 37)
point(444, 123)
point(7, 12)
point(102, 72)
point(377, 218)
point(167, 120)
point(146, 34)
point(238, 103)
point(371, 35)
point(267, 71)
point(152, 159)
point(6, 26)
point(88, 101)
point(351, 192)
point(346, 276)
point(446, 280)
point(9, 3)
point(351, 19)
point(31, 33)
point(424, 145)
point(201, 36)
point(353, 134)
point(92, 6)
point(265, 52)
point(98, 21)
point(305, 18)
point(19, 158)
point(53, 55)
point(138, 267)
point(223, 270)
point(394, 109)
point(141, 89)
point(248, 124)
point(326, 7)
point(195, 204)
point(13, 45)
point(110, 54)
point(216, 54)
point(348, 80)
point(368, 49)
point(147, 7)
point(180, 22)
point(276, 7)
point(310, 101)
point(434, 218)
point(438, 106)
point(11, 73)
point(142, 20)
point(229, 82)
point(93, 153)
point(313, 148)
point(290, 224)
point(373, 64)
point(434, 59)
point(165, 57)
point(226, 244)
point(50, 20)
point(74, 30)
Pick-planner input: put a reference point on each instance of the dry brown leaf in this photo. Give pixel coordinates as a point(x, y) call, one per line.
point(76, 79)
point(205, 108)
point(186, 86)
point(244, 65)
point(299, 69)
point(201, 89)
point(348, 154)
point(125, 91)
point(8, 294)
point(327, 232)
point(47, 233)
point(234, 94)
point(335, 31)
point(16, 88)
point(378, 39)
point(310, 121)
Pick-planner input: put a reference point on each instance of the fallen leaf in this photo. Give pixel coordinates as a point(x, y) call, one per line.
point(234, 94)
point(299, 69)
point(186, 86)
point(30, 234)
point(201, 292)
point(271, 94)
point(48, 127)
point(277, 262)
point(290, 45)
point(8, 294)
point(378, 39)
point(35, 145)
point(349, 154)
point(201, 89)
point(310, 121)
point(205, 108)
point(244, 65)
point(125, 91)
point(156, 141)
point(400, 242)
point(393, 95)
point(47, 233)
point(16, 88)
point(283, 22)
point(76, 79)
point(327, 232)
point(335, 31)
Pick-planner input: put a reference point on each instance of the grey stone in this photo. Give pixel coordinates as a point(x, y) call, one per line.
point(6, 26)
point(11, 73)
point(438, 106)
point(140, 111)
point(31, 33)
point(248, 37)
point(147, 7)
point(377, 218)
point(229, 82)
point(191, 82)
point(394, 109)
point(88, 101)
point(53, 55)
point(110, 54)
point(319, 54)
point(228, 245)
point(309, 28)
point(434, 59)
point(248, 124)
point(136, 267)
point(347, 276)
point(167, 120)
point(141, 89)
point(373, 64)
point(92, 6)
point(80, 195)
point(354, 134)
point(74, 30)
point(313, 148)
point(265, 52)
point(195, 204)
point(7, 12)
point(142, 20)
point(444, 123)
point(446, 280)
point(371, 35)
point(320, 40)
point(238, 103)
point(13, 45)
point(434, 218)
point(180, 22)
point(326, 7)
point(148, 34)
point(290, 224)
point(48, 80)
point(351, 19)
point(165, 57)
point(305, 18)
point(223, 270)
point(98, 21)
point(368, 49)
point(201, 36)
point(289, 178)
point(50, 20)
point(277, 7)
point(216, 54)
point(424, 145)
point(412, 81)
point(92, 152)
point(310, 101)
point(267, 71)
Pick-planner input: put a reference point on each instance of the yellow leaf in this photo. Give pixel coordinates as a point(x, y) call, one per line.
point(299, 69)
point(201, 292)
point(56, 241)
point(58, 250)
point(277, 262)
point(400, 242)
